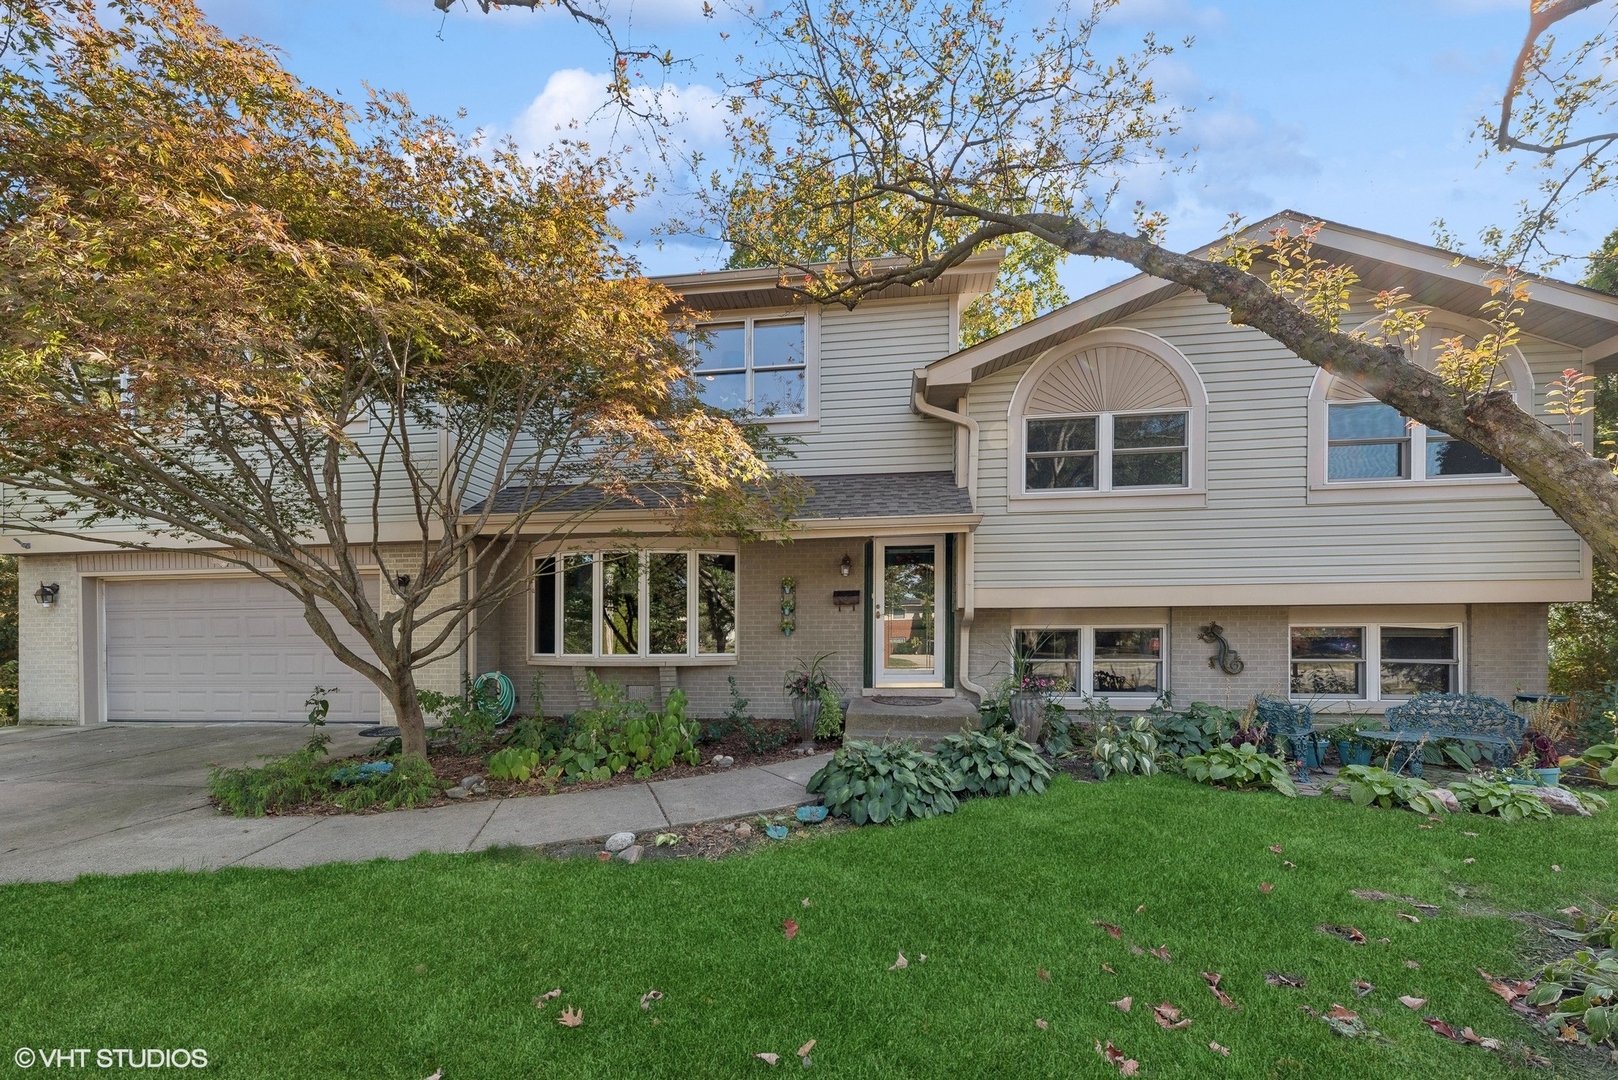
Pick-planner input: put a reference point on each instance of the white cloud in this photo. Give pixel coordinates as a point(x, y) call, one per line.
point(575, 104)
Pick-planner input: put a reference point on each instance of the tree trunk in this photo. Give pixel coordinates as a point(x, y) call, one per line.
point(407, 712)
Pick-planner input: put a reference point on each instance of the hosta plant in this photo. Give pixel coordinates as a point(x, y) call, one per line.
point(1240, 767)
point(1372, 784)
point(1510, 802)
point(993, 763)
point(878, 782)
point(618, 734)
point(1584, 991)
point(1198, 729)
point(1600, 761)
point(1122, 746)
point(513, 763)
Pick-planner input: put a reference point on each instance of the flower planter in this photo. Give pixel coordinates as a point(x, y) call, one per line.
point(1305, 749)
point(1549, 777)
point(806, 713)
point(1028, 713)
point(1353, 754)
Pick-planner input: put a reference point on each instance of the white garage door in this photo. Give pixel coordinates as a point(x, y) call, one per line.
point(221, 649)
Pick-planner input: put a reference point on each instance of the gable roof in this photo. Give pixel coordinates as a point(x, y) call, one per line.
point(732, 290)
point(1570, 314)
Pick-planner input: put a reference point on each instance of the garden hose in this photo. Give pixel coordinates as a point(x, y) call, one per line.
point(505, 693)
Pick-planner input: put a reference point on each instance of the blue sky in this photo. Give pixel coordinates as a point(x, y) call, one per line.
point(1356, 110)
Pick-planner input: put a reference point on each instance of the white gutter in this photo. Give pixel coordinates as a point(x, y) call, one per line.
point(969, 610)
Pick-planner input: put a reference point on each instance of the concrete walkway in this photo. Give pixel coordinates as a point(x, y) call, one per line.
point(124, 798)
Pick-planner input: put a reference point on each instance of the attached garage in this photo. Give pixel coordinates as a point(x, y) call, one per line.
point(220, 649)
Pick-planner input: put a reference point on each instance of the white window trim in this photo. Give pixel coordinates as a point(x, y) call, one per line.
point(1076, 697)
point(1373, 658)
point(644, 657)
point(1417, 487)
point(1193, 493)
point(811, 359)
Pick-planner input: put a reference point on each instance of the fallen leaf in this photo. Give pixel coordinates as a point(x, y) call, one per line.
point(1041, 1025)
point(1115, 931)
point(1276, 848)
point(1212, 978)
point(437, 1075)
point(1275, 978)
point(1125, 1004)
point(1469, 862)
point(790, 926)
point(1347, 933)
point(1362, 988)
point(1044, 976)
point(1140, 909)
point(1162, 953)
point(803, 1051)
point(1223, 1051)
point(1137, 950)
point(1265, 887)
point(899, 964)
point(603, 856)
point(1407, 917)
point(1572, 912)
point(650, 996)
point(1423, 826)
point(1556, 868)
point(571, 1017)
point(1108, 969)
point(1289, 865)
point(1337, 1012)
point(539, 1002)
point(1412, 1002)
point(1168, 1017)
point(1469, 834)
point(922, 959)
point(768, 1059)
point(1375, 896)
point(806, 901)
point(1114, 1056)
point(1412, 965)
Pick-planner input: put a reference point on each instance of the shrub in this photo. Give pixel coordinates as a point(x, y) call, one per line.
point(1239, 767)
point(1124, 746)
point(304, 778)
point(467, 719)
point(8, 692)
point(884, 782)
point(993, 763)
point(1368, 784)
point(1511, 802)
point(617, 734)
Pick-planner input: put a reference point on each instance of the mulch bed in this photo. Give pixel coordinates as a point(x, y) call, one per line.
point(709, 839)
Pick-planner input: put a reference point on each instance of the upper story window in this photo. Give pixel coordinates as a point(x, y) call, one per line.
point(759, 365)
point(1361, 449)
point(635, 604)
point(1119, 413)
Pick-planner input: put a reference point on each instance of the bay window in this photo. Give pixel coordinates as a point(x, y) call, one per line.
point(1374, 662)
point(634, 604)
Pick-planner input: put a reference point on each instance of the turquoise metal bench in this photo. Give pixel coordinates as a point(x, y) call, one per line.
point(1464, 718)
point(1289, 728)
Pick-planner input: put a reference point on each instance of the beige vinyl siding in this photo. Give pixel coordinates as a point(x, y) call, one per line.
point(866, 424)
point(1258, 525)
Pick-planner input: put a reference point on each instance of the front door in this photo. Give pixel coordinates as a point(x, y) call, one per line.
point(905, 605)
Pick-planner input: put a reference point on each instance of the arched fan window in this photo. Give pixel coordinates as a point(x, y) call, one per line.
point(1367, 442)
point(1118, 412)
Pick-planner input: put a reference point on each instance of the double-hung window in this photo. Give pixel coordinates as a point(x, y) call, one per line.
point(1367, 440)
point(1375, 662)
point(1098, 661)
point(1106, 452)
point(635, 604)
point(759, 366)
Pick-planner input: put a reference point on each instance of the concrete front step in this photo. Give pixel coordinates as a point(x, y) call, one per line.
point(926, 721)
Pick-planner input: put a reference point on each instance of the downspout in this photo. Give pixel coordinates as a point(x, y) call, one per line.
point(919, 403)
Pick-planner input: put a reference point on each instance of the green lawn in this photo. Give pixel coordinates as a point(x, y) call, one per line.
point(398, 969)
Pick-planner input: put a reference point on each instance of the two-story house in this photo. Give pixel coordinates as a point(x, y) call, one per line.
point(1095, 488)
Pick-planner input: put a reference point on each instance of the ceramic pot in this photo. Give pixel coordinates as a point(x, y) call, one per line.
point(806, 712)
point(1028, 713)
point(1549, 777)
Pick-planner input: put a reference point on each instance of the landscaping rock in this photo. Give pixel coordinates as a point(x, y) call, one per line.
point(456, 793)
point(1560, 800)
point(744, 829)
point(632, 853)
point(723, 761)
point(1447, 798)
point(730, 828)
point(620, 841)
point(474, 785)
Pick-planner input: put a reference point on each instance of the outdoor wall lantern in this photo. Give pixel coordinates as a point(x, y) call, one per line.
point(46, 594)
point(846, 567)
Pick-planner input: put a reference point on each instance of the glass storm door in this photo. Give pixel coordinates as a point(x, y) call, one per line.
point(906, 607)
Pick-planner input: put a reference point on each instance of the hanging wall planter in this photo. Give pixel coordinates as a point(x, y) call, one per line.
point(789, 606)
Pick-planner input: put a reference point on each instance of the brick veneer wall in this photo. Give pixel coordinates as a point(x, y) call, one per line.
point(443, 675)
point(48, 649)
point(1509, 650)
point(763, 653)
point(1259, 634)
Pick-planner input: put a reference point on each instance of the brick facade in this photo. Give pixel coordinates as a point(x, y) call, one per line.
point(1508, 648)
point(48, 641)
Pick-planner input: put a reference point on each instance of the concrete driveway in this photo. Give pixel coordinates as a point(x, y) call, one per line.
point(123, 798)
